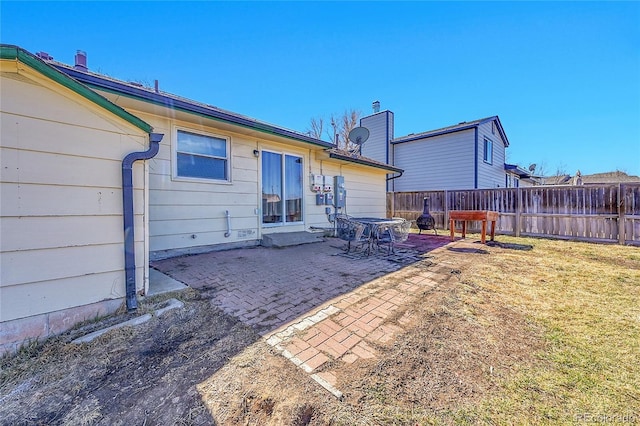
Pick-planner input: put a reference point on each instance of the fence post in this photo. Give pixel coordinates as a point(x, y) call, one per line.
point(446, 210)
point(516, 231)
point(621, 236)
point(392, 204)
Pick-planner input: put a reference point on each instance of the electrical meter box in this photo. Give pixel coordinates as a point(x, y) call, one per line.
point(340, 198)
point(328, 198)
point(327, 185)
point(317, 182)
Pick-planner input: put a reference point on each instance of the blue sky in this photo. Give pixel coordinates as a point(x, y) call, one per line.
point(563, 77)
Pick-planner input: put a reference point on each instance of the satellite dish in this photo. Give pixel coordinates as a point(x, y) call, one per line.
point(359, 135)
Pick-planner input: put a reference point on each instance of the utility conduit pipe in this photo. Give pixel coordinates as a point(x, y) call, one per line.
point(228, 215)
point(127, 214)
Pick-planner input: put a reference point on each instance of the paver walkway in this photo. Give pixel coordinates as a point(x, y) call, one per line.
point(315, 305)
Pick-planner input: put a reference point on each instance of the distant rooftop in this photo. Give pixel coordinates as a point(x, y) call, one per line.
point(593, 179)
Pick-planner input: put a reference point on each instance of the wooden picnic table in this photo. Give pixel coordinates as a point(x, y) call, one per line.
point(473, 215)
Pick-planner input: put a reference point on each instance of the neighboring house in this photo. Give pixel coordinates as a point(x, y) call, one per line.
point(467, 155)
point(215, 180)
point(516, 176)
point(593, 179)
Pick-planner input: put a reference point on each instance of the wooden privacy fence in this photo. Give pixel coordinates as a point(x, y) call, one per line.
point(603, 213)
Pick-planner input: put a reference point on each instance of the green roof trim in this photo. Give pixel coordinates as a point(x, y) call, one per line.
point(253, 126)
point(10, 52)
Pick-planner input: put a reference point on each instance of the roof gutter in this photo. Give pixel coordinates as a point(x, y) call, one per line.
point(362, 161)
point(395, 177)
point(127, 214)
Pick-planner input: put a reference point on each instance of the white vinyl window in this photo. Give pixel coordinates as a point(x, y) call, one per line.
point(488, 151)
point(202, 156)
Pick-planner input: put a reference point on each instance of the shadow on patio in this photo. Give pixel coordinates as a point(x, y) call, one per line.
point(267, 288)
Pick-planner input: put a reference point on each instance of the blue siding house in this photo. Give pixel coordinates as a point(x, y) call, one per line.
point(467, 155)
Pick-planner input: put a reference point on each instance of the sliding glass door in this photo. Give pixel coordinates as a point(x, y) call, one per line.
point(281, 188)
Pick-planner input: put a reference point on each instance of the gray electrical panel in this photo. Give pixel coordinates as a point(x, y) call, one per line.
point(340, 198)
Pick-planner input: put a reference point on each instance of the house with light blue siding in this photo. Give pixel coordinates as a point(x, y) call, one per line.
point(467, 155)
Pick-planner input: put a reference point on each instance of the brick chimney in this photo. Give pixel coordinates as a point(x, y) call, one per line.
point(81, 61)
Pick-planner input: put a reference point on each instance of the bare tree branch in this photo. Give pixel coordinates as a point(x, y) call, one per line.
point(316, 127)
point(338, 129)
point(349, 122)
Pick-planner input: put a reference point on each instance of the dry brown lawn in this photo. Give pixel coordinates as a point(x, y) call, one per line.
point(533, 332)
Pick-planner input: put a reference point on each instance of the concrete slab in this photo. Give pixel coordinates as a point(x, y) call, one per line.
point(287, 239)
point(161, 283)
point(92, 336)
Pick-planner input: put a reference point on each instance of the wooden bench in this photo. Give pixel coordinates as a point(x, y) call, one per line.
point(473, 215)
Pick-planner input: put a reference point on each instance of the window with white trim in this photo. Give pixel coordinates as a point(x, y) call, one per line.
point(202, 156)
point(488, 151)
point(512, 181)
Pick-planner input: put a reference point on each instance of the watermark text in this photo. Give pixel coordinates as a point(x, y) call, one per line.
point(607, 418)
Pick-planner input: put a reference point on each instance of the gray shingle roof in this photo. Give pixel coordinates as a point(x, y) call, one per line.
point(464, 125)
point(168, 100)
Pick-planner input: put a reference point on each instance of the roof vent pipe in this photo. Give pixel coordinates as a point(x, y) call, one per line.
point(376, 106)
point(81, 61)
point(127, 214)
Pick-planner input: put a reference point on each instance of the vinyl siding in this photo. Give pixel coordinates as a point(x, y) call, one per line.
point(441, 162)
point(61, 199)
point(182, 209)
point(366, 194)
point(187, 213)
point(490, 175)
point(380, 128)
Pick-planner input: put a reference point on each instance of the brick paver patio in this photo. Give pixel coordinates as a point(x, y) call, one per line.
point(315, 305)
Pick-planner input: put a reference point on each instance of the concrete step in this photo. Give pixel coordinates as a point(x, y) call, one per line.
point(286, 239)
point(160, 283)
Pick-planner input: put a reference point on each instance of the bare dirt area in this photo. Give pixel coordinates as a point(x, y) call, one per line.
point(141, 375)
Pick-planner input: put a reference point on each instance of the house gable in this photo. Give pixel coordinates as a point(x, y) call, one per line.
point(14, 59)
point(490, 165)
point(61, 192)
